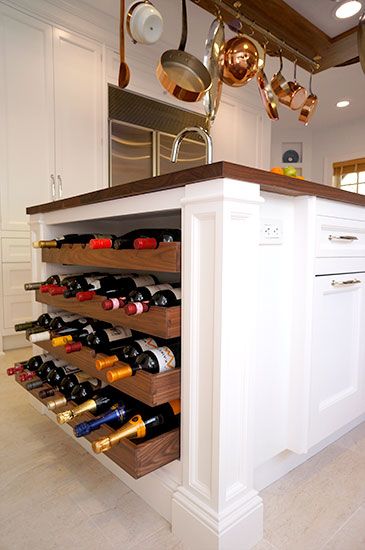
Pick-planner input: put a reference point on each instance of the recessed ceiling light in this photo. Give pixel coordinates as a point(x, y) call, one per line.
point(343, 103)
point(348, 9)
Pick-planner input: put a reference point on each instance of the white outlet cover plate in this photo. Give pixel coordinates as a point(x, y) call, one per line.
point(271, 231)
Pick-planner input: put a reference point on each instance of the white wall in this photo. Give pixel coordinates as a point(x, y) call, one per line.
point(336, 144)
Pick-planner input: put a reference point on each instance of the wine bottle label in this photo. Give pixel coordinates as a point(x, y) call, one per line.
point(94, 282)
point(143, 280)
point(83, 376)
point(165, 358)
point(156, 288)
point(176, 292)
point(147, 343)
point(69, 317)
point(117, 333)
point(70, 370)
point(89, 329)
point(60, 363)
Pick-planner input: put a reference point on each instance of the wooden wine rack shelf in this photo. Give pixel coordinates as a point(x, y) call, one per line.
point(166, 258)
point(136, 458)
point(151, 389)
point(163, 322)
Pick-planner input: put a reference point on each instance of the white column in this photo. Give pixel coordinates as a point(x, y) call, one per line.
point(216, 507)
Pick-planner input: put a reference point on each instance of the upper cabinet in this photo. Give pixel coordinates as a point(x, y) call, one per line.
point(51, 112)
point(78, 114)
point(26, 114)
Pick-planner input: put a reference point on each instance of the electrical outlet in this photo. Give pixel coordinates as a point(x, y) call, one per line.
point(271, 231)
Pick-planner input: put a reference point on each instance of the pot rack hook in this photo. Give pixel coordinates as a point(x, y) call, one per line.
point(310, 82)
point(295, 69)
point(281, 60)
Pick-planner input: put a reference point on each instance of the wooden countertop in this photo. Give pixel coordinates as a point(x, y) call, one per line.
point(268, 181)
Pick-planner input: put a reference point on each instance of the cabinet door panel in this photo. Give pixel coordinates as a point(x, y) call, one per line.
point(26, 114)
point(338, 358)
point(14, 277)
point(78, 113)
point(17, 309)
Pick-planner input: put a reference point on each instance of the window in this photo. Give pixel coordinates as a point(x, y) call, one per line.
point(350, 175)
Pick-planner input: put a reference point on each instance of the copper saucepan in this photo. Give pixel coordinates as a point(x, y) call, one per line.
point(240, 61)
point(182, 74)
point(267, 95)
point(310, 106)
point(290, 94)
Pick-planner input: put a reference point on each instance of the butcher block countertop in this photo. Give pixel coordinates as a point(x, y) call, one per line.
point(268, 181)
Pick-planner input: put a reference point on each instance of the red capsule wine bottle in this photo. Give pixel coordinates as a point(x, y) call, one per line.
point(152, 242)
point(126, 353)
point(107, 340)
point(100, 402)
point(157, 419)
point(145, 293)
point(116, 285)
point(124, 241)
point(71, 238)
point(51, 280)
point(88, 281)
point(17, 368)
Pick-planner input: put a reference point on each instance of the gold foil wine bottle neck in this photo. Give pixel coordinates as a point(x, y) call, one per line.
point(134, 429)
point(66, 416)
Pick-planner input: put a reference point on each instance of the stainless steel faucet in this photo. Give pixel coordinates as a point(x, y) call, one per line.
point(192, 129)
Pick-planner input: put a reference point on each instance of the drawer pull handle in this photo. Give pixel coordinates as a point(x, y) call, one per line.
point(346, 283)
point(342, 238)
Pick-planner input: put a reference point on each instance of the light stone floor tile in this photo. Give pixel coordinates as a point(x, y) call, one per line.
point(352, 535)
point(54, 495)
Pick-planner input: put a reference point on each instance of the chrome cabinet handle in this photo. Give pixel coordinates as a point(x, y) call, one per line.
point(60, 188)
point(342, 238)
point(53, 187)
point(346, 283)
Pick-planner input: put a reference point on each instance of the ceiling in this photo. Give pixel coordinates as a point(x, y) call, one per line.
point(321, 14)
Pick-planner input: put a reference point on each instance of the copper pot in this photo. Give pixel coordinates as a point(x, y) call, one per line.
point(266, 93)
point(240, 61)
point(310, 106)
point(290, 94)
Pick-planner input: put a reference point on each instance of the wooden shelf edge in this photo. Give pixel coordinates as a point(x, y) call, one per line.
point(158, 321)
point(137, 459)
point(151, 389)
point(165, 259)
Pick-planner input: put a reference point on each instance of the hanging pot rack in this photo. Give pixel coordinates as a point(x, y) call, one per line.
point(274, 44)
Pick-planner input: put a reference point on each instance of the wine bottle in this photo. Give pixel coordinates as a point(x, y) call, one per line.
point(18, 367)
point(107, 340)
point(145, 293)
point(116, 415)
point(116, 285)
point(124, 241)
point(79, 334)
point(167, 298)
point(72, 238)
point(164, 236)
point(56, 375)
point(161, 359)
point(89, 281)
point(61, 325)
point(84, 386)
point(126, 353)
point(165, 416)
point(43, 394)
point(100, 402)
point(136, 308)
point(50, 281)
point(28, 375)
point(43, 320)
point(48, 365)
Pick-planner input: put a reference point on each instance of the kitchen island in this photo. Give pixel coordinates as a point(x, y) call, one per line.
point(273, 276)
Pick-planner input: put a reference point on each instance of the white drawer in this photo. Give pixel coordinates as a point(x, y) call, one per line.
point(15, 250)
point(17, 309)
point(14, 277)
point(339, 237)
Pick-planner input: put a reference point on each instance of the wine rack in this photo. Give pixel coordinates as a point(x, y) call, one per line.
point(158, 321)
point(137, 458)
point(165, 258)
point(151, 389)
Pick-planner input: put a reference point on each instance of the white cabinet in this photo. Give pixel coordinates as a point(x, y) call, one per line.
point(338, 354)
point(78, 114)
point(26, 106)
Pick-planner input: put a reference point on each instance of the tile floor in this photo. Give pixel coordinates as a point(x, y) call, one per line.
point(54, 495)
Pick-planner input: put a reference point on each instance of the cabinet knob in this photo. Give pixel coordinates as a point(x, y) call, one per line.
point(60, 188)
point(53, 187)
point(346, 283)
